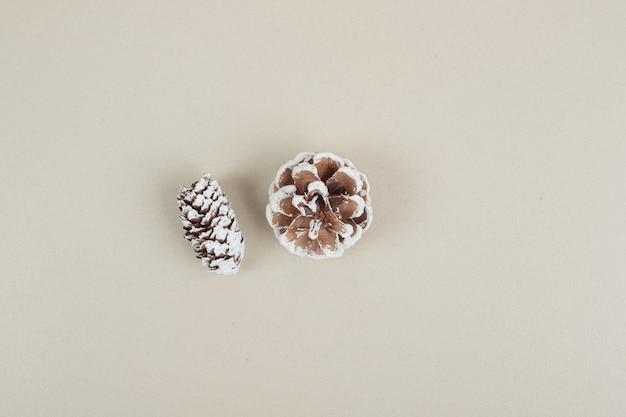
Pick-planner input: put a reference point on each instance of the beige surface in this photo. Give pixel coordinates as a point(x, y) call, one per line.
point(493, 279)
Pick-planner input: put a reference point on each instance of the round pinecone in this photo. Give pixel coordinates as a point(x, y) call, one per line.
point(319, 205)
point(210, 226)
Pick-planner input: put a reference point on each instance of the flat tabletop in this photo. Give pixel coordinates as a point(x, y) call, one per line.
point(492, 281)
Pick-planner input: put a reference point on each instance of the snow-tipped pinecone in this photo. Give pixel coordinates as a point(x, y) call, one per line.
point(319, 205)
point(210, 226)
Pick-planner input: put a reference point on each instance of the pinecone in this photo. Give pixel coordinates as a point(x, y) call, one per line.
point(210, 226)
point(319, 205)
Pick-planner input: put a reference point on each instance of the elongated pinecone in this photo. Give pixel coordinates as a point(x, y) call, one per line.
point(210, 226)
point(319, 205)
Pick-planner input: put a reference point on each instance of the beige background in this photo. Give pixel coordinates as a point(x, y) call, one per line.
point(492, 281)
